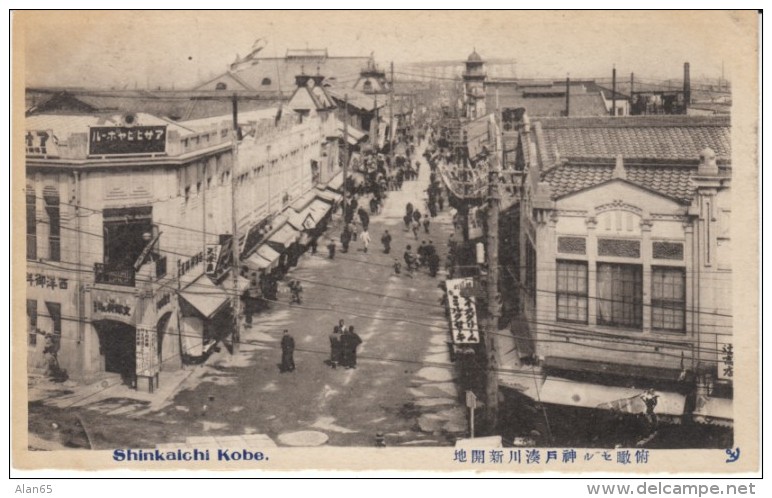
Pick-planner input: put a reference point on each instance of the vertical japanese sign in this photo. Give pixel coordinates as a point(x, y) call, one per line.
point(147, 352)
point(211, 258)
point(725, 361)
point(107, 140)
point(463, 313)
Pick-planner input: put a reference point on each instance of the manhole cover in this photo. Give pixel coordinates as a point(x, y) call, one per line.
point(303, 438)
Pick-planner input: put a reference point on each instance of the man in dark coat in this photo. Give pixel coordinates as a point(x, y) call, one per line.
point(417, 216)
point(364, 218)
point(351, 344)
point(287, 353)
point(386, 241)
point(335, 347)
point(345, 239)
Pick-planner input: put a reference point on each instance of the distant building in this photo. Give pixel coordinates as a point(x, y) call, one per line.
point(277, 74)
point(626, 263)
point(474, 86)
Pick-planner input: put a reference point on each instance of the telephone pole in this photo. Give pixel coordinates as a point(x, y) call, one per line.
point(494, 306)
point(345, 148)
point(391, 117)
point(236, 334)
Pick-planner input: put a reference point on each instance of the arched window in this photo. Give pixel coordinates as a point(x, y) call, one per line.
point(266, 82)
point(368, 86)
point(221, 86)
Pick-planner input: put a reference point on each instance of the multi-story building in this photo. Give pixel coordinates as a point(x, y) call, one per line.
point(130, 227)
point(625, 267)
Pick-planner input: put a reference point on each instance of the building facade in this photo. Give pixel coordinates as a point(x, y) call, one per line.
point(625, 264)
point(130, 222)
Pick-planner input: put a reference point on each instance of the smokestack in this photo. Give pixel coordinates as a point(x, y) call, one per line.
point(687, 87)
point(614, 91)
point(568, 93)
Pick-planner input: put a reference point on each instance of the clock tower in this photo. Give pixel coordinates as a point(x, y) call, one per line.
point(474, 86)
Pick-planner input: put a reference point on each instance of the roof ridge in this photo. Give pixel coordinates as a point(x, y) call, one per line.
point(663, 121)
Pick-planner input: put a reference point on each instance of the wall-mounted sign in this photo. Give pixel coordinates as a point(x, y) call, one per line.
point(106, 306)
point(463, 313)
point(211, 258)
point(52, 282)
point(725, 361)
point(107, 140)
point(184, 267)
point(147, 352)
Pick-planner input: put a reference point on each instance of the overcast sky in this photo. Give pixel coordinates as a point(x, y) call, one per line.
point(124, 49)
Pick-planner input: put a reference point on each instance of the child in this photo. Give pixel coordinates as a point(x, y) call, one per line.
point(397, 266)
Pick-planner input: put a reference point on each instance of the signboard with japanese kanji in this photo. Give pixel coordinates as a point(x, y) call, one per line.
point(211, 258)
point(462, 311)
point(147, 352)
point(110, 140)
point(725, 361)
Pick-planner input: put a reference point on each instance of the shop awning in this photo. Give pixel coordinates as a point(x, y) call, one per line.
point(714, 411)
point(328, 196)
point(257, 262)
point(566, 392)
point(285, 236)
point(336, 183)
point(319, 209)
point(354, 135)
point(303, 220)
point(205, 296)
point(268, 253)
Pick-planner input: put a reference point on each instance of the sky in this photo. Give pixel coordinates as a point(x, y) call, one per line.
point(128, 49)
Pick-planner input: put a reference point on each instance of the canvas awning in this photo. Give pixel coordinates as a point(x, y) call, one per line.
point(285, 236)
point(328, 196)
point(354, 135)
point(319, 209)
point(714, 411)
point(336, 183)
point(303, 220)
point(268, 253)
point(205, 297)
point(257, 262)
point(559, 391)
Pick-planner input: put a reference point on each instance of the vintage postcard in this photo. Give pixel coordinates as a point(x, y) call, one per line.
point(512, 242)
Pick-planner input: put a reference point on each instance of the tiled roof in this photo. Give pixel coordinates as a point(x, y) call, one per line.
point(660, 153)
point(356, 98)
point(637, 137)
point(671, 181)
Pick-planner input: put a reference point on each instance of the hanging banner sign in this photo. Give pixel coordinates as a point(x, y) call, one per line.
point(147, 352)
point(463, 311)
point(107, 140)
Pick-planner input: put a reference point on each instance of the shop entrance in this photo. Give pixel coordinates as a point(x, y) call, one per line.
point(117, 342)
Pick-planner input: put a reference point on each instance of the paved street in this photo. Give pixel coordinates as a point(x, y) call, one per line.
point(402, 387)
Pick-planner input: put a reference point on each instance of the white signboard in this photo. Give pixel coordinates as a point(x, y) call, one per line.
point(475, 219)
point(147, 352)
point(463, 311)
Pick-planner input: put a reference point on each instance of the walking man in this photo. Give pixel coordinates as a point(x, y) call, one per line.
point(352, 342)
point(331, 248)
point(335, 347)
point(287, 353)
point(386, 241)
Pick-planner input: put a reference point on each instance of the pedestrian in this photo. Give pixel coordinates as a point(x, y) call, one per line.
point(417, 216)
point(386, 241)
point(353, 231)
point(440, 201)
point(409, 209)
point(345, 239)
point(287, 352)
point(364, 218)
point(374, 205)
point(397, 266)
point(335, 347)
point(426, 225)
point(352, 342)
point(331, 248)
point(365, 237)
point(422, 254)
point(434, 263)
point(407, 219)
point(415, 227)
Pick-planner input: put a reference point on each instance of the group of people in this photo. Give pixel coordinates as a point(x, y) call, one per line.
point(425, 255)
point(344, 342)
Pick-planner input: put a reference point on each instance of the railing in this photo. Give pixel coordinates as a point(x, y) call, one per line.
point(113, 276)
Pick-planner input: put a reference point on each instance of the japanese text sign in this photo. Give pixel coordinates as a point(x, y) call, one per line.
point(462, 311)
point(106, 140)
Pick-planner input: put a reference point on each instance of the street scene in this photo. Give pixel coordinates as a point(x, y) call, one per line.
point(316, 245)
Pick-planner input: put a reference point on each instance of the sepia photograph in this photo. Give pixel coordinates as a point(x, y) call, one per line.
point(422, 240)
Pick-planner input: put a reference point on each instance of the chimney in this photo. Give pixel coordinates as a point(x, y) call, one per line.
point(619, 169)
point(708, 166)
point(687, 87)
point(568, 93)
point(614, 91)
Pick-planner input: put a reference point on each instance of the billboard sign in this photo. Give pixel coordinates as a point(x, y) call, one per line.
point(120, 140)
point(463, 311)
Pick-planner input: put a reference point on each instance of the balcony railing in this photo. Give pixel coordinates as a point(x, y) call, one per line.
point(113, 276)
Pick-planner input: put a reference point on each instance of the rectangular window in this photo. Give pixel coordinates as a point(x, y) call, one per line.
point(32, 226)
point(32, 322)
point(530, 271)
point(51, 197)
point(668, 299)
point(55, 311)
point(620, 295)
point(572, 291)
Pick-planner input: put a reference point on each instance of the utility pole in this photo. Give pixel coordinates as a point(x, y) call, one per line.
point(494, 308)
point(391, 117)
point(236, 334)
point(614, 91)
point(345, 150)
